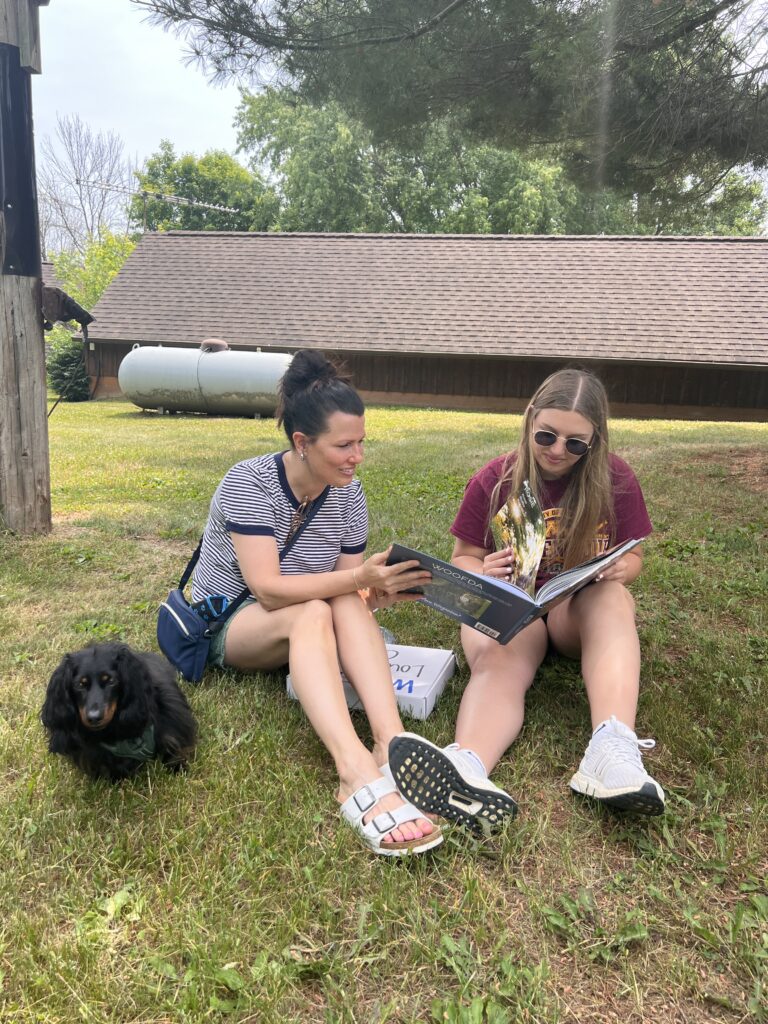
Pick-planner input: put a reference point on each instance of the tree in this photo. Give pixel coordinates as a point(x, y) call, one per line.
point(215, 178)
point(332, 175)
point(73, 210)
point(84, 276)
point(634, 93)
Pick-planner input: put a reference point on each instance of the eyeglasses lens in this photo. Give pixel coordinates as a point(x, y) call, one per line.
point(573, 445)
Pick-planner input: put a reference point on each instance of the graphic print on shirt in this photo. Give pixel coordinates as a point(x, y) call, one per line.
point(552, 559)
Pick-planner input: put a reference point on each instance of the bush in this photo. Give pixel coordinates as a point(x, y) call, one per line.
point(66, 370)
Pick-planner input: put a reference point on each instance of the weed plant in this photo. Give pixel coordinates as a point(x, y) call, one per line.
point(234, 893)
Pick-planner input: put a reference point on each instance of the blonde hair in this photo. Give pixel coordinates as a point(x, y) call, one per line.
point(587, 501)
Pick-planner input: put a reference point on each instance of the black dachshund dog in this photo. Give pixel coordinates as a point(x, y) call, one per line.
point(111, 709)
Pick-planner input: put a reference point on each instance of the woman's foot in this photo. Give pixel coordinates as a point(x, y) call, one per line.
point(384, 809)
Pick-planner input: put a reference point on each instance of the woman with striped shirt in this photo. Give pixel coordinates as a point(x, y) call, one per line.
point(292, 527)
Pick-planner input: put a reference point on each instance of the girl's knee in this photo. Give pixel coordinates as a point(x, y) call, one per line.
point(607, 593)
point(506, 664)
point(621, 597)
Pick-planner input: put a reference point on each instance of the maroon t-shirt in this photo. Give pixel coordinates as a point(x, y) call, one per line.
point(630, 514)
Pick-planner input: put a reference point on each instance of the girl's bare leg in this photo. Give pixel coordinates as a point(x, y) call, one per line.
point(493, 705)
point(598, 624)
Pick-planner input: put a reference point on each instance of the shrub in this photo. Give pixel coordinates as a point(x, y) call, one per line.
point(66, 370)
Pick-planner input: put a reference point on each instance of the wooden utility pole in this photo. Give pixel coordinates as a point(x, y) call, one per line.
point(25, 487)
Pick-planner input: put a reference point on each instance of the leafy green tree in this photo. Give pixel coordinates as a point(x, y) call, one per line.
point(84, 276)
point(332, 175)
point(636, 93)
point(216, 179)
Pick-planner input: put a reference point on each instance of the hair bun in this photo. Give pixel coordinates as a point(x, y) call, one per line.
point(309, 369)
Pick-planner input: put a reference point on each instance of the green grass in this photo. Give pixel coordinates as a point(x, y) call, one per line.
point(235, 894)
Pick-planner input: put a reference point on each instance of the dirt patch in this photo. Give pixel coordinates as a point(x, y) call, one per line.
point(748, 466)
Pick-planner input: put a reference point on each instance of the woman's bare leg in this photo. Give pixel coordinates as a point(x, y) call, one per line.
point(304, 634)
point(363, 657)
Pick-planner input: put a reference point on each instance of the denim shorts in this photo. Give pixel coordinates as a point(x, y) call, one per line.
point(216, 650)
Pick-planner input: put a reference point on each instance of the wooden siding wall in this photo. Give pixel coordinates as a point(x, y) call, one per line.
point(715, 392)
point(628, 384)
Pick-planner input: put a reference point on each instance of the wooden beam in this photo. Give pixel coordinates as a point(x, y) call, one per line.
point(25, 489)
point(25, 492)
point(20, 26)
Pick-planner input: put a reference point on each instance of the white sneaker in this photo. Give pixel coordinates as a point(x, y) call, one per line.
point(612, 771)
point(445, 782)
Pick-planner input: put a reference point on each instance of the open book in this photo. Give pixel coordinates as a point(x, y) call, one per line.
point(498, 609)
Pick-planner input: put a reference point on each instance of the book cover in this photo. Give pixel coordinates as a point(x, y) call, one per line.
point(494, 607)
point(419, 675)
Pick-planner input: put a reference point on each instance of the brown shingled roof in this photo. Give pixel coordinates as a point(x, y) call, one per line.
point(49, 275)
point(651, 299)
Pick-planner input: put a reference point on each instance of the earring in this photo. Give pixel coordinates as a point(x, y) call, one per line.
point(302, 456)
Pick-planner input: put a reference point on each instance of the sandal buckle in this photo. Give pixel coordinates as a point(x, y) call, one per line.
point(364, 793)
point(384, 822)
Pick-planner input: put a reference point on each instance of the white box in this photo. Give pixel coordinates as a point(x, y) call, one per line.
point(419, 675)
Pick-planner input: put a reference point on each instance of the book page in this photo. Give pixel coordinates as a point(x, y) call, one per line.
point(570, 580)
point(519, 524)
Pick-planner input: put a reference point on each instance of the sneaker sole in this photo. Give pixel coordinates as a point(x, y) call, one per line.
point(645, 800)
point(429, 780)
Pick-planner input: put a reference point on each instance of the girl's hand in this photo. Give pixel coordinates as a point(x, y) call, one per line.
point(500, 564)
point(387, 580)
point(623, 571)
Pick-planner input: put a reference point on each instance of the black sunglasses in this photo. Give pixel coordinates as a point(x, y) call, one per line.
point(573, 445)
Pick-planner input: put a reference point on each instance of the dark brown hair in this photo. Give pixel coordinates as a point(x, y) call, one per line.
point(311, 389)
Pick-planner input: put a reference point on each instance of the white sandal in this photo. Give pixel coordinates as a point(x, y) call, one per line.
point(354, 809)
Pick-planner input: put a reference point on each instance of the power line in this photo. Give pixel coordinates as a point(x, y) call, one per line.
point(160, 196)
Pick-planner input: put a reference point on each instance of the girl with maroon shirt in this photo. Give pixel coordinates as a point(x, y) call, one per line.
point(591, 501)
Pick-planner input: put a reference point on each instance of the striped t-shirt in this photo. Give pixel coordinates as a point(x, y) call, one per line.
point(255, 498)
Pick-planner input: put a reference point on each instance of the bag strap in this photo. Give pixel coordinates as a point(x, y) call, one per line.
point(215, 626)
point(232, 608)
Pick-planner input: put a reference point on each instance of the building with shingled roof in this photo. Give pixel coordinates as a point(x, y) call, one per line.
point(675, 326)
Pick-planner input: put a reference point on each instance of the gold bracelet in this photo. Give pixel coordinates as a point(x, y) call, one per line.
point(354, 580)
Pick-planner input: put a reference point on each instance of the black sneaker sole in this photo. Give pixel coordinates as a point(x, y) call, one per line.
point(429, 780)
point(642, 801)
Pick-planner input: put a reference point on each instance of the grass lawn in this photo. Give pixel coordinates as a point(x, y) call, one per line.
point(235, 893)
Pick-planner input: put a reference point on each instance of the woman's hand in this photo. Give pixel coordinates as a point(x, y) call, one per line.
point(389, 580)
point(377, 599)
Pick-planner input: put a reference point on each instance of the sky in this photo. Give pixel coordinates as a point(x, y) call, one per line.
point(103, 61)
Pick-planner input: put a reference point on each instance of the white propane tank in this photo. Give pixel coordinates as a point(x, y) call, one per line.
point(213, 379)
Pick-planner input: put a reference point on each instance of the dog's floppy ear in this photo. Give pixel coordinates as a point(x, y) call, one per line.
point(135, 688)
point(59, 712)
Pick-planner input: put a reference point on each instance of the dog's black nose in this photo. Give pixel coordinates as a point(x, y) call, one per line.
point(94, 715)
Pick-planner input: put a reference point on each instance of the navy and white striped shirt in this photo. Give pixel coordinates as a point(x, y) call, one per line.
point(255, 498)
